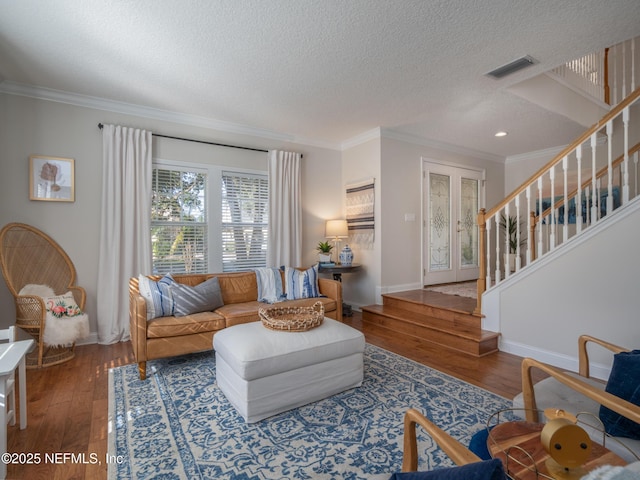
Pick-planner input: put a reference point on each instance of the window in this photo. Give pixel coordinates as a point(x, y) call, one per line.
point(244, 221)
point(179, 221)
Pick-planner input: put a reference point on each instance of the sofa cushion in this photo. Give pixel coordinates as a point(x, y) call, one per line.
point(301, 283)
point(162, 327)
point(238, 287)
point(329, 304)
point(624, 382)
point(204, 297)
point(237, 313)
point(157, 295)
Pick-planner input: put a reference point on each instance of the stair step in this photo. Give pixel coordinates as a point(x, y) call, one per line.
point(457, 334)
point(453, 315)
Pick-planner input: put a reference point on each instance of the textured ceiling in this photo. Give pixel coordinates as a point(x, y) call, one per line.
point(322, 71)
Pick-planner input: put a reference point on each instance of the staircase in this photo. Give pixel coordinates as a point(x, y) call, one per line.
point(434, 318)
point(577, 190)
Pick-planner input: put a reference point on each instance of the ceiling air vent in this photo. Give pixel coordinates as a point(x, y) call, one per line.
point(512, 67)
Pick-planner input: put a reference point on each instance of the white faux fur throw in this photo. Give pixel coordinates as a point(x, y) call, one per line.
point(59, 331)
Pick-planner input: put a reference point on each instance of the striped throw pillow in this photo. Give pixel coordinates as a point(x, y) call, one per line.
point(157, 295)
point(301, 283)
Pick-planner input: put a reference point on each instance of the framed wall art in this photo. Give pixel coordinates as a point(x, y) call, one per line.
point(51, 178)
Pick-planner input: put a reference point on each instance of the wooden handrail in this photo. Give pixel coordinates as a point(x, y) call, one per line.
point(566, 151)
point(601, 173)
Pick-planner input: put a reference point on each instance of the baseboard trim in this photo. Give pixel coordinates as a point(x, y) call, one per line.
point(92, 338)
point(559, 360)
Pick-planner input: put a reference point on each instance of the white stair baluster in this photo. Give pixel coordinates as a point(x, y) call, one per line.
point(579, 193)
point(594, 198)
point(552, 214)
point(528, 244)
point(518, 233)
point(625, 162)
point(497, 220)
point(488, 248)
point(633, 64)
point(540, 217)
point(635, 166)
point(507, 255)
point(609, 167)
point(624, 71)
point(565, 227)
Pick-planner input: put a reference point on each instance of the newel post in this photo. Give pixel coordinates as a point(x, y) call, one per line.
point(482, 277)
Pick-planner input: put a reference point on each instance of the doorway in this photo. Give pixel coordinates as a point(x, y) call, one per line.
point(452, 198)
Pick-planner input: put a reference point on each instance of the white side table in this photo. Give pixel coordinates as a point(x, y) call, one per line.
point(12, 355)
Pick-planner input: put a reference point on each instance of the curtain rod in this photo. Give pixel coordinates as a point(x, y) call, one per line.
point(100, 125)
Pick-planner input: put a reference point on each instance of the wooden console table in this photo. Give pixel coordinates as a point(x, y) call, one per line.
point(337, 271)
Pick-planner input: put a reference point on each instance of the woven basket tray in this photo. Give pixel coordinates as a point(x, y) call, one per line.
point(292, 319)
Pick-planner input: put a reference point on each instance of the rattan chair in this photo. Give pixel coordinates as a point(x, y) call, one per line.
point(29, 256)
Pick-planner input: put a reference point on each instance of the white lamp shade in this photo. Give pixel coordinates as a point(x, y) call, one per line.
point(336, 229)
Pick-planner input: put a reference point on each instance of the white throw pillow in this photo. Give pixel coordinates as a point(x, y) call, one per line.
point(62, 305)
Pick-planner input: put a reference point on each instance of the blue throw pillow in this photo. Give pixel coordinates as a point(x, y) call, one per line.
point(301, 284)
point(485, 470)
point(624, 382)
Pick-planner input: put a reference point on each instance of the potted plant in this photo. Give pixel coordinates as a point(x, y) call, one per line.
point(510, 226)
point(325, 251)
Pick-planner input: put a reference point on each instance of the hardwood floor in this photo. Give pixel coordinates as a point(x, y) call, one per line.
point(67, 404)
point(67, 410)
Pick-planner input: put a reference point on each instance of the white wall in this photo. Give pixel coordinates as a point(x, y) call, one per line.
point(519, 168)
point(31, 126)
point(402, 193)
point(362, 162)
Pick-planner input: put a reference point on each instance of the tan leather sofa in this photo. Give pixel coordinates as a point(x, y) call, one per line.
point(170, 336)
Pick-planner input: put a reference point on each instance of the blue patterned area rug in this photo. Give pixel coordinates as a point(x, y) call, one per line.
point(178, 425)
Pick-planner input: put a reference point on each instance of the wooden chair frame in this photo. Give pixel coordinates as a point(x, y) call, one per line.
point(618, 405)
point(460, 454)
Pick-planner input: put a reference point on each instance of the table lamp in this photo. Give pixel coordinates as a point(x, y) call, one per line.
point(336, 229)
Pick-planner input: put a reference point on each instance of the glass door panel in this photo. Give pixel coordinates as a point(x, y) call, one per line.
point(452, 201)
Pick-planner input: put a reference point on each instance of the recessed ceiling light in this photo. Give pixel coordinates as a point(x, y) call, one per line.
point(501, 134)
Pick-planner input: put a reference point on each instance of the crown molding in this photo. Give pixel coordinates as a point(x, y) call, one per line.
point(548, 153)
point(361, 138)
point(97, 103)
point(427, 142)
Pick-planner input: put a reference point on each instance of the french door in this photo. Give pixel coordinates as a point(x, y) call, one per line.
point(452, 199)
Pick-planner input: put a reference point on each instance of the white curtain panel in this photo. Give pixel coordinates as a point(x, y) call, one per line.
point(125, 237)
point(284, 245)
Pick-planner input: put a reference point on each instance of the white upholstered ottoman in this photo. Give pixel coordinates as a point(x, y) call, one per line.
point(263, 372)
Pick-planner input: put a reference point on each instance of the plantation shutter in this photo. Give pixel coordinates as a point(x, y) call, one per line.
point(244, 221)
point(179, 221)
